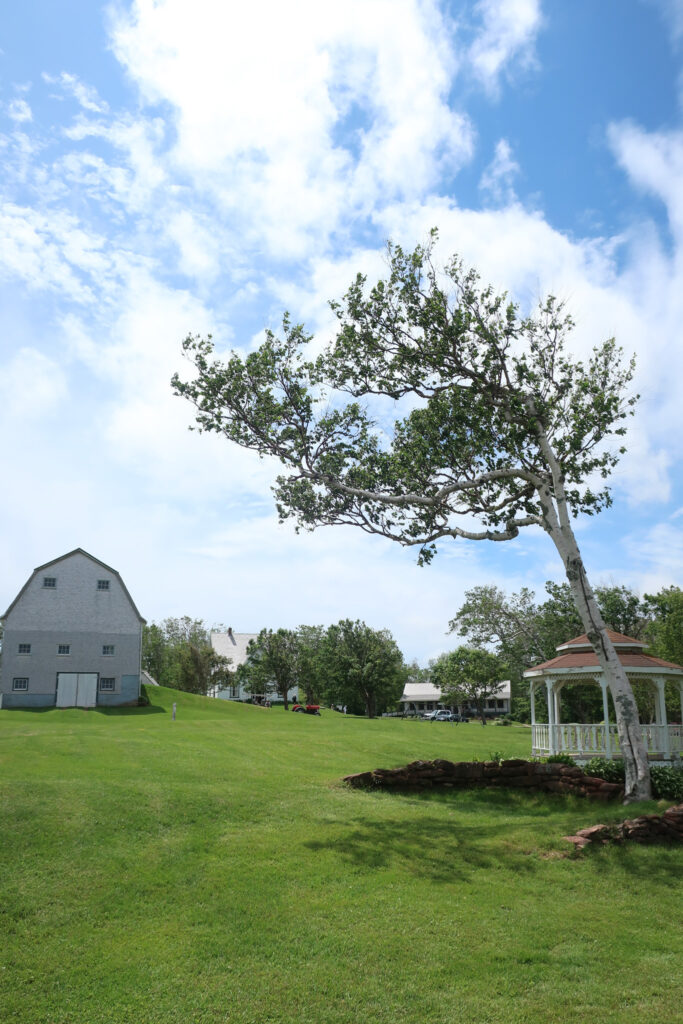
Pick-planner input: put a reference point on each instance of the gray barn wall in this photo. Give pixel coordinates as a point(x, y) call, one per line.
point(75, 612)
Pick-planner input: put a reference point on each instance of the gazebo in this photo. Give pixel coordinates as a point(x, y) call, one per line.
point(576, 662)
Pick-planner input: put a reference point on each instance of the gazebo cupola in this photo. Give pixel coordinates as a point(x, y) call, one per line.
point(576, 662)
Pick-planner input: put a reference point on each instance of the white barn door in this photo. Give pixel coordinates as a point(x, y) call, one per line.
point(76, 689)
point(67, 688)
point(87, 690)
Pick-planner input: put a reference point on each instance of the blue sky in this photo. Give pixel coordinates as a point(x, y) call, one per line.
point(168, 167)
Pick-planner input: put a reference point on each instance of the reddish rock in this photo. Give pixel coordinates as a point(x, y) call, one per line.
point(544, 769)
point(359, 779)
point(594, 832)
point(579, 841)
point(571, 771)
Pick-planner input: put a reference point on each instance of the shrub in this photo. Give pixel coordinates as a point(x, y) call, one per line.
point(667, 781)
point(560, 759)
point(601, 768)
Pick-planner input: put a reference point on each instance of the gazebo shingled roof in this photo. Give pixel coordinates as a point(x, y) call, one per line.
point(580, 654)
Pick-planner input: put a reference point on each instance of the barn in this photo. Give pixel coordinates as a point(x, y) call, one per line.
point(72, 638)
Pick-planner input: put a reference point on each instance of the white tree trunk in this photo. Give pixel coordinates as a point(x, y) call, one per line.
point(633, 751)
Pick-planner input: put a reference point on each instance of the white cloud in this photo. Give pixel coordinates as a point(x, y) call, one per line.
point(19, 110)
point(47, 251)
point(672, 11)
point(497, 179)
point(658, 556)
point(31, 387)
point(85, 95)
point(654, 163)
point(264, 104)
point(508, 33)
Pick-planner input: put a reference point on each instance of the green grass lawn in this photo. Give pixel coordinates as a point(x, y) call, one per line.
point(214, 869)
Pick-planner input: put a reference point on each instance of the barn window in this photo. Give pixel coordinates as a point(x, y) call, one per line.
point(24, 649)
point(49, 582)
point(107, 683)
point(20, 683)
point(108, 650)
point(63, 648)
point(103, 584)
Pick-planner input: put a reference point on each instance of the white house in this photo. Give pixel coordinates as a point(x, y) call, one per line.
point(72, 638)
point(235, 646)
point(421, 697)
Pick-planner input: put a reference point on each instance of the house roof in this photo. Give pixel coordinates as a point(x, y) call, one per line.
point(427, 691)
point(54, 561)
point(232, 645)
point(420, 691)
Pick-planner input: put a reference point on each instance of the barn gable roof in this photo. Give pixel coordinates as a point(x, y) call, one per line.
point(69, 554)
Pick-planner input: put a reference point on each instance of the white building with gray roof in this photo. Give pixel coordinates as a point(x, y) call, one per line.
point(233, 646)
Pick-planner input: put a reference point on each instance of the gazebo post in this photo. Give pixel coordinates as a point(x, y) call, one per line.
point(551, 715)
point(660, 715)
point(557, 716)
point(605, 715)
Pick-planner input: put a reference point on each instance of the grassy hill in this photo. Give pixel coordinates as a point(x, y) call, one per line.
point(213, 869)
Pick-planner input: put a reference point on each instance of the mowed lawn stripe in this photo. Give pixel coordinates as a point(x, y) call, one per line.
point(214, 869)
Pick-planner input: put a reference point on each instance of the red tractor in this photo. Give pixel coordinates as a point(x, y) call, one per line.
point(306, 709)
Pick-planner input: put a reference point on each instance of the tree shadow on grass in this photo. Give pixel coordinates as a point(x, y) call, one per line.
point(494, 829)
point(153, 709)
point(442, 851)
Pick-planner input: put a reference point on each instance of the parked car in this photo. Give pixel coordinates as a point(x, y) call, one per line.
point(444, 716)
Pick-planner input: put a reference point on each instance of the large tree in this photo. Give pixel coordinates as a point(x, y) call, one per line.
point(363, 667)
point(272, 663)
point(666, 629)
point(525, 633)
point(469, 675)
point(178, 653)
point(496, 428)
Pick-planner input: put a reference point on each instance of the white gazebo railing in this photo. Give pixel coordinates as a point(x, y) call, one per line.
point(596, 740)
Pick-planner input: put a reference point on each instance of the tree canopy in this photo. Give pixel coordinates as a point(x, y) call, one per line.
point(469, 675)
point(362, 667)
point(438, 410)
point(178, 653)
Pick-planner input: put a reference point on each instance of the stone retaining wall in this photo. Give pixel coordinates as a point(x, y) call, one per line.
point(645, 829)
point(514, 773)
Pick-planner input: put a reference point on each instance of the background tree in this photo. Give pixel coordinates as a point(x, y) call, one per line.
point(272, 664)
point(178, 653)
point(309, 671)
point(470, 676)
point(202, 668)
point(499, 425)
point(526, 633)
point(665, 629)
point(363, 668)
